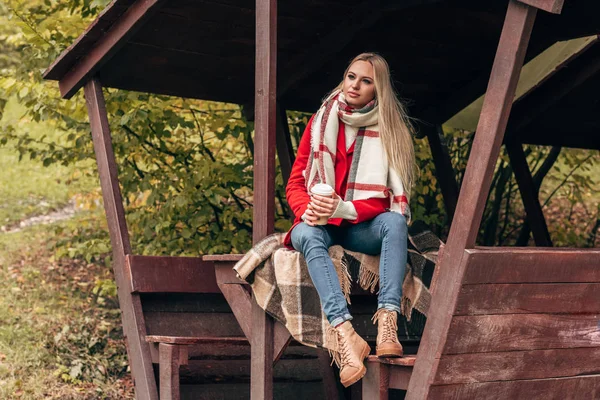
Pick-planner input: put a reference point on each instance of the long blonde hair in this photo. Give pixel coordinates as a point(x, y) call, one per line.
point(395, 128)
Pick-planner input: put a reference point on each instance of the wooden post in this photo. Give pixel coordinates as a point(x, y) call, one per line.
point(376, 383)
point(265, 117)
point(107, 46)
point(134, 327)
point(529, 194)
point(552, 6)
point(476, 184)
point(443, 170)
point(169, 362)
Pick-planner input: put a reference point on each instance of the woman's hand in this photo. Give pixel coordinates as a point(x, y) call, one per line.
point(323, 206)
point(310, 218)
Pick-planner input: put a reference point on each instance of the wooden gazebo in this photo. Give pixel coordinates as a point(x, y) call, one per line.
point(504, 323)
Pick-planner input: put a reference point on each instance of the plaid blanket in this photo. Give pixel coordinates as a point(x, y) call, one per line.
point(283, 288)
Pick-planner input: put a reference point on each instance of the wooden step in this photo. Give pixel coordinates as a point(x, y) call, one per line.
point(195, 339)
point(386, 373)
point(406, 361)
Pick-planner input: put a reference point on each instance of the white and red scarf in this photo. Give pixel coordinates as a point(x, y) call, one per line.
point(370, 175)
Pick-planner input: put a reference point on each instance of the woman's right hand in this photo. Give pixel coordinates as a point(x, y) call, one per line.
point(310, 218)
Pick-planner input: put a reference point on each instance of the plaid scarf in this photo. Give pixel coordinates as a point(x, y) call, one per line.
point(282, 285)
point(368, 178)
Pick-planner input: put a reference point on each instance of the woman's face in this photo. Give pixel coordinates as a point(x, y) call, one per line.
point(359, 86)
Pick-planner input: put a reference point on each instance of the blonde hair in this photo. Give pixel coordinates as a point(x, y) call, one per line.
point(395, 128)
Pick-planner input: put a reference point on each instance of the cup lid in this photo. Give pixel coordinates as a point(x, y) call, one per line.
point(322, 189)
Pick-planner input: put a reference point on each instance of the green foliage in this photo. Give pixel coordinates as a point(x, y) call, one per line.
point(186, 165)
point(90, 351)
point(568, 194)
point(427, 203)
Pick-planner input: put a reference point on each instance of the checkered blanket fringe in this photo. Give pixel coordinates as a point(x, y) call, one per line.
point(283, 288)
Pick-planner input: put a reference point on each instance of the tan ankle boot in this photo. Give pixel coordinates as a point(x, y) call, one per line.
point(352, 350)
point(387, 334)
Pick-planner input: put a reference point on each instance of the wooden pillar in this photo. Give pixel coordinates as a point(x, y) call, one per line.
point(376, 383)
point(169, 362)
point(261, 386)
point(134, 327)
point(473, 194)
point(443, 169)
point(529, 194)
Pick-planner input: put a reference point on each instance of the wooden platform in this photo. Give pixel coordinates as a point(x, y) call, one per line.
point(504, 323)
point(525, 327)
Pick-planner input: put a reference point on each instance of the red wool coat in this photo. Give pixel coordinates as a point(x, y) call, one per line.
point(298, 197)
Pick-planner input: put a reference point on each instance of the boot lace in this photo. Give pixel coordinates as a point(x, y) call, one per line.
point(389, 324)
point(341, 354)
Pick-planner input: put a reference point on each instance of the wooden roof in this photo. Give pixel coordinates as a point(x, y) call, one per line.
point(440, 52)
point(564, 108)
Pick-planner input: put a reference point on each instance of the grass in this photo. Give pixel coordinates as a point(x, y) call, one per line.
point(28, 188)
point(59, 338)
point(60, 329)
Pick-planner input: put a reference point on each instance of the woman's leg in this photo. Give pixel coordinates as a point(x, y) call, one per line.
point(387, 235)
point(313, 242)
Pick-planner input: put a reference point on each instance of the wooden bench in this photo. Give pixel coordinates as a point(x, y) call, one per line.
point(394, 371)
point(173, 353)
point(171, 290)
point(237, 293)
point(152, 276)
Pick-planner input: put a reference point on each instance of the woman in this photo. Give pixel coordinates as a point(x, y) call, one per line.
point(359, 143)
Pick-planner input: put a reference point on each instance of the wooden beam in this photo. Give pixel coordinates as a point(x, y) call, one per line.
point(529, 298)
point(153, 274)
point(531, 265)
point(376, 383)
point(559, 388)
point(134, 327)
point(240, 302)
point(517, 365)
point(529, 194)
point(537, 179)
point(443, 169)
point(107, 46)
point(512, 332)
point(285, 151)
point(552, 6)
point(169, 361)
point(476, 184)
point(265, 115)
point(281, 340)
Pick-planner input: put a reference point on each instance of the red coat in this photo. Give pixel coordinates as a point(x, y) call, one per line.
point(298, 197)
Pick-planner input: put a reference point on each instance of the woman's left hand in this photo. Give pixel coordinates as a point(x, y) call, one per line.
point(323, 206)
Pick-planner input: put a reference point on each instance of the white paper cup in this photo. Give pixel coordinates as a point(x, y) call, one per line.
point(322, 189)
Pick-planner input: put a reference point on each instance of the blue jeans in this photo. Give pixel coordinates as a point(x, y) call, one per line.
point(386, 234)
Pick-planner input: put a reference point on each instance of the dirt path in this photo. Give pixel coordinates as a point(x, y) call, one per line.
point(66, 212)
